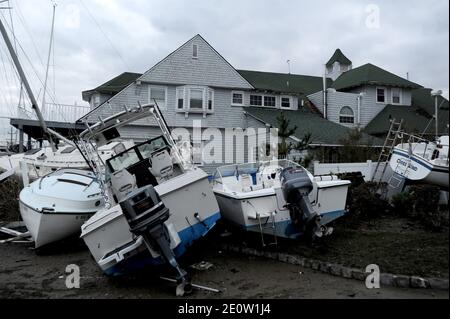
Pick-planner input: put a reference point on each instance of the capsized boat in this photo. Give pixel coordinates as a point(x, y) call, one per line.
point(158, 204)
point(279, 198)
point(419, 160)
point(55, 206)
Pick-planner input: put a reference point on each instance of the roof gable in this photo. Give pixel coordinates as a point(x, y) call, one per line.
point(209, 69)
point(338, 56)
point(369, 74)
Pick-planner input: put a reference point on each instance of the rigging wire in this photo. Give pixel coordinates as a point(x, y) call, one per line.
point(105, 35)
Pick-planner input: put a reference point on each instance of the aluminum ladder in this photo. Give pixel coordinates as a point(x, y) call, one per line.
point(386, 152)
point(267, 221)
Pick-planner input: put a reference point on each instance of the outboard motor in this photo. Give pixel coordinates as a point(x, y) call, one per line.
point(296, 186)
point(146, 214)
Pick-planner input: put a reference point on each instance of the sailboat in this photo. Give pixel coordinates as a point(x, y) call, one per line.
point(54, 206)
point(419, 160)
point(422, 161)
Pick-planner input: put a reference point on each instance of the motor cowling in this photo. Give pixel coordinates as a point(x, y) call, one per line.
point(295, 181)
point(296, 186)
point(144, 209)
point(146, 215)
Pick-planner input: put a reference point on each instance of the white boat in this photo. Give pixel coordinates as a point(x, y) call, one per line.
point(147, 179)
point(279, 198)
point(40, 162)
point(55, 206)
point(422, 161)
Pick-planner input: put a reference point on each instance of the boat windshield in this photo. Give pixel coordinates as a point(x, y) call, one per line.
point(250, 168)
point(136, 154)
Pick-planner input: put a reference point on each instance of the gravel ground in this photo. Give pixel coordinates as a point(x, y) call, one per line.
point(24, 274)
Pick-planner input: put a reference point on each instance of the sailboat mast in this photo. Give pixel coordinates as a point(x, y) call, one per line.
point(16, 61)
point(49, 55)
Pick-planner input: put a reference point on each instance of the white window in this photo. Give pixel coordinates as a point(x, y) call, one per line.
point(270, 101)
point(237, 98)
point(346, 116)
point(256, 100)
point(381, 95)
point(196, 99)
point(180, 98)
point(396, 96)
point(263, 100)
point(210, 106)
point(195, 51)
point(158, 93)
point(286, 102)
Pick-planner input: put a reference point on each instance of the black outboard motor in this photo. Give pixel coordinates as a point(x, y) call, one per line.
point(146, 214)
point(296, 186)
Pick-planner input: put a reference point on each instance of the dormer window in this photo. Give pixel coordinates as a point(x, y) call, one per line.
point(396, 96)
point(381, 95)
point(195, 51)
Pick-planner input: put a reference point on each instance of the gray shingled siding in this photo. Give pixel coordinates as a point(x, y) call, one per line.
point(369, 106)
point(208, 69)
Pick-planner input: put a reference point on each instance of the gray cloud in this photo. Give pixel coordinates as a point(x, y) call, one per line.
point(259, 35)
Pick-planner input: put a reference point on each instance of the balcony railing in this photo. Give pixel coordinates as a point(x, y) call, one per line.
point(56, 112)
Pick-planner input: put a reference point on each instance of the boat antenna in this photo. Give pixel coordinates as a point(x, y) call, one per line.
point(24, 79)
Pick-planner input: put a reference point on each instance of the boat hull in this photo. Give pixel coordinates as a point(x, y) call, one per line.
point(240, 209)
point(117, 251)
point(54, 207)
point(47, 228)
point(419, 169)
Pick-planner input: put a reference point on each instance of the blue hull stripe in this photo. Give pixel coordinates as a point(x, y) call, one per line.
point(286, 229)
point(421, 162)
point(188, 236)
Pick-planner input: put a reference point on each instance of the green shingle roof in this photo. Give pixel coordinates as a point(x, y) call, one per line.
point(417, 118)
point(338, 56)
point(283, 82)
point(369, 74)
point(113, 86)
point(413, 120)
point(323, 132)
point(422, 99)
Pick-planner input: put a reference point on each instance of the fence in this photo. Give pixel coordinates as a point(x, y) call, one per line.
point(367, 169)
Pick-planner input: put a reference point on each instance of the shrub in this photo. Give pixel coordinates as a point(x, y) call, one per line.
point(366, 203)
point(9, 203)
point(402, 204)
point(426, 206)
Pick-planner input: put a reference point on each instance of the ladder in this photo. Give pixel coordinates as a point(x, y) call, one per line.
point(267, 221)
point(386, 151)
point(401, 171)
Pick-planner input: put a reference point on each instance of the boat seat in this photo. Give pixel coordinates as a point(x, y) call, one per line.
point(122, 183)
point(162, 165)
point(246, 182)
point(257, 187)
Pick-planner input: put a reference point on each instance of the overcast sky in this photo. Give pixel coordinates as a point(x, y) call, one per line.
point(133, 35)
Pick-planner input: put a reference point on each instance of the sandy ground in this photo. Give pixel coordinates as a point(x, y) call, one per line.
point(24, 274)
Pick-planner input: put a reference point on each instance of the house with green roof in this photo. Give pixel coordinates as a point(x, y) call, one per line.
point(195, 84)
